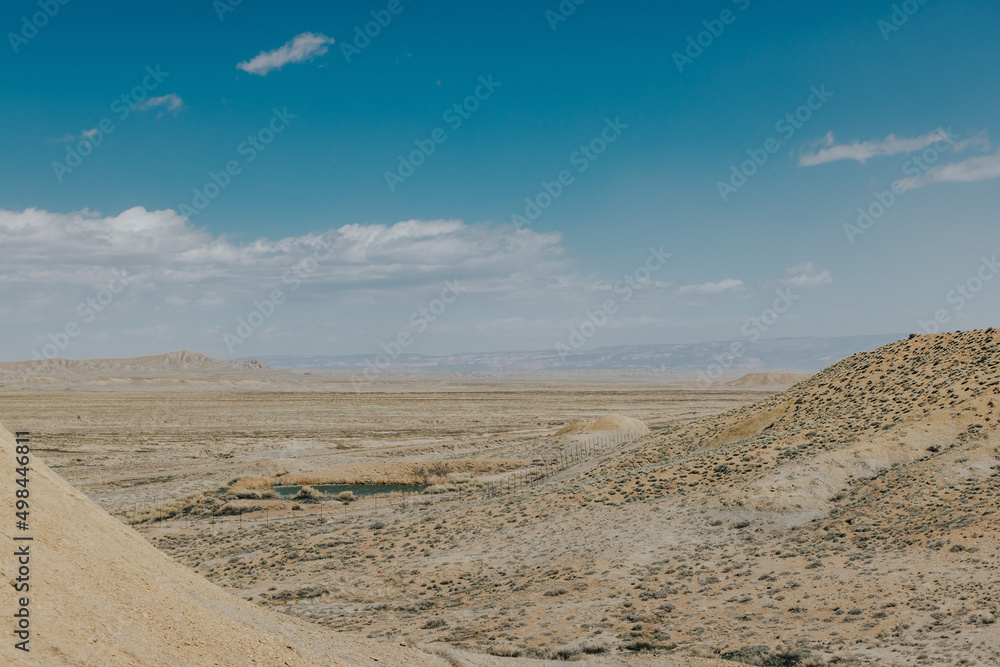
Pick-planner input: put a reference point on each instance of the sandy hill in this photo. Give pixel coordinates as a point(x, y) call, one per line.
point(865, 494)
point(921, 408)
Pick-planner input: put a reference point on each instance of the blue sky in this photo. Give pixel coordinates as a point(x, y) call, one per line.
point(892, 91)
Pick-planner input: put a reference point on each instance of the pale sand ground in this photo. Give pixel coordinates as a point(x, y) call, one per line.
point(104, 596)
point(853, 516)
point(100, 594)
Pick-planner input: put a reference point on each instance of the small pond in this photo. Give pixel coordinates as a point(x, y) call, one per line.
point(358, 489)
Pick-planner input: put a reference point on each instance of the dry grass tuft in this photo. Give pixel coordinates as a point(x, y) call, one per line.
point(251, 484)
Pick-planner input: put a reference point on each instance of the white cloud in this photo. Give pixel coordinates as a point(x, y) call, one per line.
point(981, 168)
point(175, 263)
point(862, 151)
point(519, 289)
point(83, 136)
point(807, 275)
point(302, 48)
point(707, 289)
point(172, 102)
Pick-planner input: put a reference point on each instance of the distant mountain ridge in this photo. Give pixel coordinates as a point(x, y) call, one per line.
point(793, 355)
point(807, 355)
point(183, 360)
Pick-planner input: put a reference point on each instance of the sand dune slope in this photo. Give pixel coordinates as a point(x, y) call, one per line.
point(928, 402)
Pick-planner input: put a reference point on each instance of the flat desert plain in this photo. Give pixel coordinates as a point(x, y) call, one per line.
point(848, 519)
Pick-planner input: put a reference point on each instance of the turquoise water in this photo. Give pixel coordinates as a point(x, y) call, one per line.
point(357, 489)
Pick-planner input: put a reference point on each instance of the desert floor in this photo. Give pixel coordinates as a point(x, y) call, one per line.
point(532, 544)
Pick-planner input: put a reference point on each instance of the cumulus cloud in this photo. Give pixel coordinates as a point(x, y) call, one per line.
point(708, 289)
point(862, 151)
point(181, 265)
point(807, 275)
point(185, 286)
point(172, 103)
point(300, 49)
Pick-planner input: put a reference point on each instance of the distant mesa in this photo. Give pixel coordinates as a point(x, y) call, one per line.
point(183, 360)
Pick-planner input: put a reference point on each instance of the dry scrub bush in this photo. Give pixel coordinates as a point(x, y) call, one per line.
point(256, 494)
point(236, 510)
point(595, 646)
point(564, 652)
point(308, 494)
point(402, 473)
point(762, 656)
point(191, 505)
point(506, 650)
